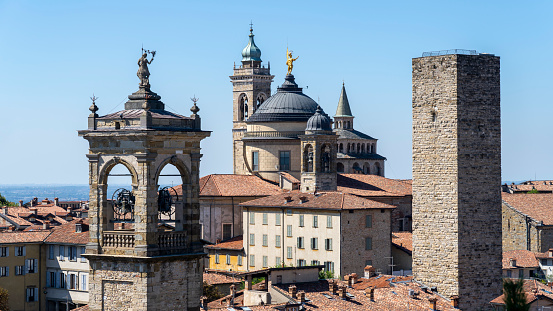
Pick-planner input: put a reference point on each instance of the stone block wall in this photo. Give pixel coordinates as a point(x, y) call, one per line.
point(514, 233)
point(457, 176)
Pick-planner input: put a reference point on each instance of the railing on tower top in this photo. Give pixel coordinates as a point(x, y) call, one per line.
point(118, 239)
point(288, 134)
point(171, 240)
point(448, 52)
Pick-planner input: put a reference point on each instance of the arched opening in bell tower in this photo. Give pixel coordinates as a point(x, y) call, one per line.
point(117, 195)
point(325, 158)
point(308, 158)
point(243, 107)
point(173, 186)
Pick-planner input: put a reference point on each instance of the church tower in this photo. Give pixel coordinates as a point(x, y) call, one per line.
point(251, 86)
point(457, 176)
point(136, 265)
point(318, 154)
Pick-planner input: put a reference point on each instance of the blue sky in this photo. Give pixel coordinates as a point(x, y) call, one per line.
point(55, 54)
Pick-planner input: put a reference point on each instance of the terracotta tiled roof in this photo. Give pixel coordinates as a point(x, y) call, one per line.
point(18, 220)
point(289, 177)
point(403, 240)
point(373, 185)
point(538, 206)
point(23, 237)
point(524, 259)
point(323, 200)
point(543, 255)
point(532, 288)
point(83, 308)
point(231, 185)
point(66, 233)
point(235, 243)
point(216, 278)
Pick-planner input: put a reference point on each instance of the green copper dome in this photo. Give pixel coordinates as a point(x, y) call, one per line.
point(251, 52)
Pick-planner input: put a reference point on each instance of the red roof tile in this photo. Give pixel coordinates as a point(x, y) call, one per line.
point(323, 200)
point(531, 288)
point(235, 243)
point(373, 185)
point(231, 185)
point(213, 278)
point(524, 259)
point(66, 233)
point(538, 206)
point(403, 240)
point(23, 237)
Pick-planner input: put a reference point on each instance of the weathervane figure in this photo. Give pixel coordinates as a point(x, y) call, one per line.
point(290, 61)
point(143, 72)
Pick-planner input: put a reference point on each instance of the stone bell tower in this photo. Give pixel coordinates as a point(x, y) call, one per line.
point(134, 264)
point(457, 175)
point(251, 86)
point(318, 150)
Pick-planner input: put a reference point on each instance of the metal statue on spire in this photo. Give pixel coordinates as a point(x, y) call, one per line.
point(143, 72)
point(290, 61)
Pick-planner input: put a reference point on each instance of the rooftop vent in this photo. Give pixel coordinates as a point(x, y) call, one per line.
point(303, 199)
point(78, 228)
point(288, 199)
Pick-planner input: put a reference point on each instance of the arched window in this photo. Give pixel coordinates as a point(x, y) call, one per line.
point(356, 168)
point(325, 159)
point(341, 148)
point(308, 158)
point(378, 170)
point(260, 99)
point(119, 201)
point(243, 113)
point(348, 150)
point(358, 148)
point(367, 168)
point(372, 148)
point(362, 148)
point(340, 167)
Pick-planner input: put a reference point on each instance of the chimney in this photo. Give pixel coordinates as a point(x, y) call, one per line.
point(293, 290)
point(550, 252)
point(369, 272)
point(302, 296)
point(5, 210)
point(78, 228)
point(513, 262)
point(370, 291)
point(303, 199)
point(288, 199)
point(46, 225)
point(354, 278)
point(34, 202)
point(56, 201)
point(455, 301)
point(11, 228)
point(33, 210)
point(342, 291)
point(20, 203)
point(333, 287)
point(432, 301)
point(69, 217)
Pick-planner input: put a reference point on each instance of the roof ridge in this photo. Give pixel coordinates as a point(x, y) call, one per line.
point(217, 187)
point(202, 187)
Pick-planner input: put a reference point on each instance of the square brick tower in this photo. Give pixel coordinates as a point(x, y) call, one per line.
point(135, 264)
point(457, 176)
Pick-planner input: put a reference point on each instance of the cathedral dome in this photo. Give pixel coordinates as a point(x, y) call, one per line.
point(320, 121)
point(288, 104)
point(251, 52)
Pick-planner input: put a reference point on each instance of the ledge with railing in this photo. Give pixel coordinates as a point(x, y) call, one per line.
point(286, 134)
point(171, 240)
point(118, 239)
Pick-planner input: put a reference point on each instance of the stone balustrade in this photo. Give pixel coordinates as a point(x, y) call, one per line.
point(118, 239)
point(171, 240)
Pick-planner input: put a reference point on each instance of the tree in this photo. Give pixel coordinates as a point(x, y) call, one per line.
point(5, 202)
point(514, 296)
point(4, 299)
point(211, 292)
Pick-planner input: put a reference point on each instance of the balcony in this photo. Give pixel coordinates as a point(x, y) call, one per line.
point(171, 240)
point(118, 239)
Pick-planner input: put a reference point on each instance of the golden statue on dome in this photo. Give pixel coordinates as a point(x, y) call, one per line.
point(290, 61)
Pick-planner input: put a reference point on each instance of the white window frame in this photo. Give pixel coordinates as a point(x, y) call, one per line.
point(277, 219)
point(265, 240)
point(329, 221)
point(228, 259)
point(315, 221)
point(277, 240)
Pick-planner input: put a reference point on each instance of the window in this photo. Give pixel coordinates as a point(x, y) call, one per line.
point(329, 221)
point(239, 260)
point(278, 261)
point(227, 231)
point(265, 262)
point(19, 270)
point(368, 221)
point(314, 243)
point(265, 240)
point(228, 259)
point(20, 251)
point(252, 260)
point(368, 243)
point(255, 161)
point(284, 160)
point(509, 274)
point(315, 262)
point(289, 252)
point(73, 281)
point(62, 280)
point(315, 221)
point(216, 258)
point(32, 294)
point(62, 252)
point(521, 273)
point(252, 239)
point(252, 218)
point(52, 280)
point(301, 263)
point(4, 271)
point(51, 254)
point(300, 242)
point(4, 251)
point(31, 265)
point(277, 219)
point(277, 241)
point(84, 279)
point(265, 219)
point(72, 253)
point(289, 230)
point(368, 263)
point(301, 221)
point(329, 266)
point(328, 244)
point(83, 251)
point(289, 212)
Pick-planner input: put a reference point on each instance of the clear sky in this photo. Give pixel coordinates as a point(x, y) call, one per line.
point(55, 54)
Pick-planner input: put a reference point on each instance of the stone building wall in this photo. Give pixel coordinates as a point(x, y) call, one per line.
point(269, 151)
point(514, 233)
point(353, 252)
point(457, 176)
